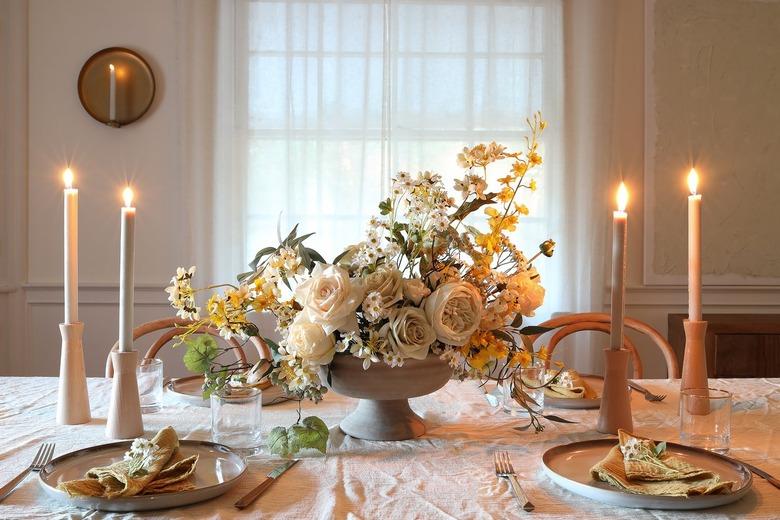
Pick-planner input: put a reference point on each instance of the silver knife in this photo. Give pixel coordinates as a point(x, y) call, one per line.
point(265, 484)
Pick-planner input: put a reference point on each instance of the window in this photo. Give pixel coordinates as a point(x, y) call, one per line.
point(340, 95)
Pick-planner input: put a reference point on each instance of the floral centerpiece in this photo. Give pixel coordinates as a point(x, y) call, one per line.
point(427, 280)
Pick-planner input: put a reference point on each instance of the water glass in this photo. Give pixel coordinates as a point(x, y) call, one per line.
point(528, 380)
point(705, 418)
point(149, 374)
point(236, 418)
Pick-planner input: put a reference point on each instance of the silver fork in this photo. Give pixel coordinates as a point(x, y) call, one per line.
point(649, 396)
point(504, 469)
point(39, 462)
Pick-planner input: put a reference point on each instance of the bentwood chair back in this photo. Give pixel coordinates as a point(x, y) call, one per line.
point(600, 322)
point(175, 326)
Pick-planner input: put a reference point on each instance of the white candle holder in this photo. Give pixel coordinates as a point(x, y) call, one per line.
point(124, 413)
point(72, 398)
point(615, 409)
point(694, 371)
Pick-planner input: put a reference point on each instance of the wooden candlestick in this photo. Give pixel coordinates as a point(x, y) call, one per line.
point(615, 409)
point(72, 398)
point(124, 413)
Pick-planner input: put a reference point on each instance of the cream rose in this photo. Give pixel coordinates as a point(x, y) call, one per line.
point(329, 298)
point(454, 310)
point(388, 283)
point(527, 290)
point(409, 333)
point(415, 290)
point(310, 342)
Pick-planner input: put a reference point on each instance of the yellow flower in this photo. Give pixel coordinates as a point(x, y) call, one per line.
point(519, 168)
point(532, 185)
point(506, 180)
point(534, 158)
point(521, 208)
point(505, 195)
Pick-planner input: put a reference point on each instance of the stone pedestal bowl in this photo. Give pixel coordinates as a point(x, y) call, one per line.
point(383, 412)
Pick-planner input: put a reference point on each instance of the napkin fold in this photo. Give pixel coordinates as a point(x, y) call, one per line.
point(154, 466)
point(637, 466)
point(569, 385)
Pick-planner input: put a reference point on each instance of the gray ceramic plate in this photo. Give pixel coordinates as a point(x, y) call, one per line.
point(569, 467)
point(595, 382)
point(189, 390)
point(217, 471)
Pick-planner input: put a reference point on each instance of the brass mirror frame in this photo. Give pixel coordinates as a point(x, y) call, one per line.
point(143, 81)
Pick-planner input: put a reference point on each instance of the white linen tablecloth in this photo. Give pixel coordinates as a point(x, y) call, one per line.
point(448, 473)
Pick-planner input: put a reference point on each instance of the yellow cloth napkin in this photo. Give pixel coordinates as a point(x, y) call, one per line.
point(634, 466)
point(570, 385)
point(154, 466)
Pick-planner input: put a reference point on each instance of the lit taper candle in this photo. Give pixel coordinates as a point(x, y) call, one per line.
point(126, 273)
point(71, 250)
point(111, 92)
point(694, 248)
point(619, 235)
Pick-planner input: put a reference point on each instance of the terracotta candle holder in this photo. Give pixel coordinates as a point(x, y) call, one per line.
point(615, 409)
point(72, 399)
point(124, 413)
point(694, 371)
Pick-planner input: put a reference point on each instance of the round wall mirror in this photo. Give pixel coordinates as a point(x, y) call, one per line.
point(116, 86)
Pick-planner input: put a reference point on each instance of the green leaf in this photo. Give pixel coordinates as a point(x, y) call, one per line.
point(342, 255)
point(501, 334)
point(518, 321)
point(555, 418)
point(278, 442)
point(201, 351)
point(315, 255)
point(385, 207)
point(291, 236)
point(260, 254)
point(534, 329)
point(312, 433)
point(660, 448)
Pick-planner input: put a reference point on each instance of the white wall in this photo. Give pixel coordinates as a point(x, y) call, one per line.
point(43, 45)
point(54, 129)
point(652, 303)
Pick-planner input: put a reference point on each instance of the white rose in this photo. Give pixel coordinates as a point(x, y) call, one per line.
point(329, 298)
point(387, 282)
point(310, 342)
point(454, 310)
point(415, 290)
point(527, 290)
point(409, 333)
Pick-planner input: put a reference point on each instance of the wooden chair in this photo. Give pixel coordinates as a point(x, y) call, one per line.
point(176, 326)
point(600, 322)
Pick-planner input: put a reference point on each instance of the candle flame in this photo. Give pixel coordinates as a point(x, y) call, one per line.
point(67, 177)
point(693, 181)
point(128, 196)
point(111, 67)
point(622, 197)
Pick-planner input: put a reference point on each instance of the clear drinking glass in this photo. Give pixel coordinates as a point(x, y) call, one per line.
point(527, 380)
point(236, 418)
point(705, 418)
point(149, 374)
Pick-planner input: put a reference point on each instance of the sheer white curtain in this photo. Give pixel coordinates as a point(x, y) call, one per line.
point(321, 102)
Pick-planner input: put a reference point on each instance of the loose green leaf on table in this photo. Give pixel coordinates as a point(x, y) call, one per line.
point(312, 433)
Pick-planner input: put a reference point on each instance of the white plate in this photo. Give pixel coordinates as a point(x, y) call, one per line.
point(217, 471)
point(595, 382)
point(569, 467)
point(189, 390)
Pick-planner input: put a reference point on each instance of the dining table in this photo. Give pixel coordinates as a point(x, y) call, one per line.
point(447, 473)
